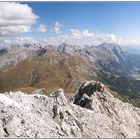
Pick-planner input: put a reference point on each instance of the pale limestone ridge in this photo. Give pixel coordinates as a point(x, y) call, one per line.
point(32, 116)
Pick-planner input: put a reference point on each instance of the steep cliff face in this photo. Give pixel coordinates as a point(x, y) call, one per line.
point(54, 116)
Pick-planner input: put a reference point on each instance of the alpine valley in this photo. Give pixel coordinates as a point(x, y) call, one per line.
point(35, 66)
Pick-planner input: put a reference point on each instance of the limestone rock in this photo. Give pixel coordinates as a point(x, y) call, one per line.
point(86, 93)
point(31, 115)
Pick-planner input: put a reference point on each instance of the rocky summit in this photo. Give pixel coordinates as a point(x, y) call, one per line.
point(92, 113)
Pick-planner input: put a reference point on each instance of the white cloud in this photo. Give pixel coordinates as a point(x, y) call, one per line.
point(10, 30)
point(130, 42)
point(18, 18)
point(75, 33)
point(86, 37)
point(4, 42)
point(23, 40)
point(87, 33)
point(15, 18)
point(57, 27)
point(74, 37)
point(42, 28)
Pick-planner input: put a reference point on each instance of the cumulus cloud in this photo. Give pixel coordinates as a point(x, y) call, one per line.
point(10, 30)
point(75, 33)
point(42, 28)
point(130, 42)
point(4, 42)
point(7, 42)
point(57, 27)
point(74, 37)
point(18, 18)
point(15, 18)
point(23, 40)
point(86, 37)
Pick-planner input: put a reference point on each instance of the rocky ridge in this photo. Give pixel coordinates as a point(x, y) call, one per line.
point(55, 116)
point(108, 57)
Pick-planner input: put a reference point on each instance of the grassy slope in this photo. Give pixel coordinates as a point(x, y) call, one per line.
point(52, 74)
point(121, 87)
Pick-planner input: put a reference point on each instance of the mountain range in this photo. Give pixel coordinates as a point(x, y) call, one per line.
point(31, 66)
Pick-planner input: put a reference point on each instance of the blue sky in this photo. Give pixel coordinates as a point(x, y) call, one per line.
point(122, 19)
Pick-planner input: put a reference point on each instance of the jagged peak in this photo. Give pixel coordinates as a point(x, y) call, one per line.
point(90, 90)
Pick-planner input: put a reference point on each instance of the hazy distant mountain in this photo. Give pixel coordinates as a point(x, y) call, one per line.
point(132, 49)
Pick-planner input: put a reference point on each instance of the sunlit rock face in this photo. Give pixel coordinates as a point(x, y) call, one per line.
point(32, 116)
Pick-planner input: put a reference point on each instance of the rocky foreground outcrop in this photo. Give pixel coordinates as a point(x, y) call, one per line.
point(92, 113)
